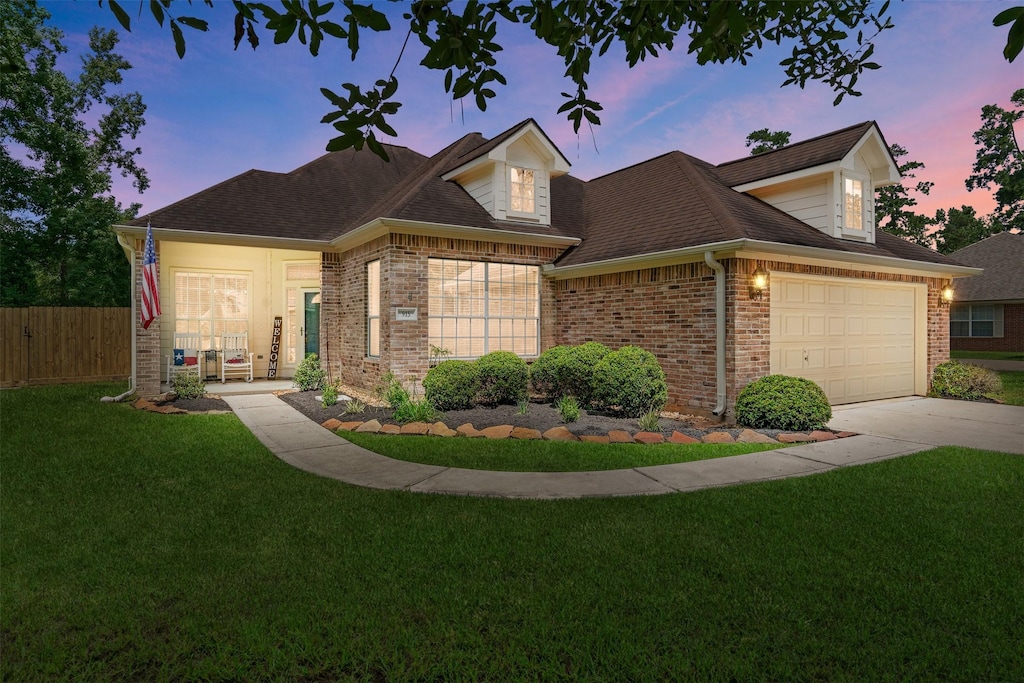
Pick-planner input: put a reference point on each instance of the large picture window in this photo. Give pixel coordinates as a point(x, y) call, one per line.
point(976, 320)
point(373, 309)
point(211, 304)
point(477, 307)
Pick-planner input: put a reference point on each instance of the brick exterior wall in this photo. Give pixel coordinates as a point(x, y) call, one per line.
point(405, 345)
point(1012, 339)
point(148, 363)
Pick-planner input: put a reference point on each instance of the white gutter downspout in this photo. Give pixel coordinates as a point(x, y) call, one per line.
point(719, 330)
point(129, 249)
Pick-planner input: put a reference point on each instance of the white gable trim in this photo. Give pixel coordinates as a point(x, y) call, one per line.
point(875, 152)
point(535, 137)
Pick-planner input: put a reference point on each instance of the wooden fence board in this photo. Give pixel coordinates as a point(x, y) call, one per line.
point(43, 345)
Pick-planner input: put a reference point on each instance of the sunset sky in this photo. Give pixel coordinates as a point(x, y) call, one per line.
point(218, 113)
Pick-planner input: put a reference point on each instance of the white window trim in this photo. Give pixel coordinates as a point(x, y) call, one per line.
point(866, 231)
point(538, 178)
point(370, 315)
point(214, 341)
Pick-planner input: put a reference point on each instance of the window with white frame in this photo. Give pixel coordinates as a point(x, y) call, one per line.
point(477, 307)
point(210, 305)
point(976, 320)
point(373, 309)
point(853, 203)
point(522, 190)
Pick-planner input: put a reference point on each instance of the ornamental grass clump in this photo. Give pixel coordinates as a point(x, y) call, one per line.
point(954, 379)
point(503, 378)
point(630, 381)
point(452, 384)
point(568, 408)
point(783, 402)
point(309, 376)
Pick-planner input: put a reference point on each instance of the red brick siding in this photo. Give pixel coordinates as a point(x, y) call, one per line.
point(1012, 339)
point(148, 361)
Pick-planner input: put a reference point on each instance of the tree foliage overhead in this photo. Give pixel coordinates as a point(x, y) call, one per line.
point(765, 140)
point(1000, 163)
point(62, 140)
point(960, 228)
point(830, 41)
point(893, 203)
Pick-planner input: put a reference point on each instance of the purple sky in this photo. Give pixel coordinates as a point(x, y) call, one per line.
point(218, 113)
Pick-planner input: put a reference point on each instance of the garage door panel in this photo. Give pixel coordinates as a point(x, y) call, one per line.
point(854, 339)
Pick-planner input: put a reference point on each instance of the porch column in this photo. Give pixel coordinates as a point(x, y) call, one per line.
point(147, 342)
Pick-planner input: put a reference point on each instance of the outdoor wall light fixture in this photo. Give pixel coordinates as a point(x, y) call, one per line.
point(947, 295)
point(758, 283)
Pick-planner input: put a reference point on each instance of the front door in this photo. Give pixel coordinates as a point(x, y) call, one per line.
point(311, 322)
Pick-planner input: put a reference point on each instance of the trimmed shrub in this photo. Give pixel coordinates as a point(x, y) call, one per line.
point(568, 371)
point(783, 402)
point(503, 378)
point(631, 381)
point(954, 379)
point(309, 376)
point(452, 384)
point(547, 372)
point(188, 385)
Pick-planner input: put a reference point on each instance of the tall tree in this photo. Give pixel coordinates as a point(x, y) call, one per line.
point(1000, 163)
point(893, 204)
point(57, 159)
point(765, 140)
point(959, 228)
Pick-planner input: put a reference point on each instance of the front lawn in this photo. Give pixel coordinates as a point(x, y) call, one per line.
point(987, 355)
point(139, 546)
point(1013, 388)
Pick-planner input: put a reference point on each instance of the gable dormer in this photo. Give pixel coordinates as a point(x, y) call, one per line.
point(828, 182)
point(510, 175)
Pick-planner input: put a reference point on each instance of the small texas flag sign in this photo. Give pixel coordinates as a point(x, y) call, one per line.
point(183, 357)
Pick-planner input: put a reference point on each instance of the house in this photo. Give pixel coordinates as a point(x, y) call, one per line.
point(988, 309)
point(492, 244)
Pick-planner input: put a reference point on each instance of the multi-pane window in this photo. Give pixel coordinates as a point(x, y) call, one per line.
point(373, 309)
point(853, 207)
point(210, 305)
point(476, 307)
point(976, 320)
point(522, 190)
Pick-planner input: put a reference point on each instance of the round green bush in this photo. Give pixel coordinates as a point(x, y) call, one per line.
point(309, 376)
point(452, 384)
point(503, 378)
point(954, 379)
point(783, 402)
point(188, 385)
point(631, 381)
point(567, 371)
point(546, 373)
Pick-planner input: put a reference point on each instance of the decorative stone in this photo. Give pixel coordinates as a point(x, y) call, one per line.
point(680, 438)
point(526, 433)
point(845, 435)
point(649, 437)
point(350, 426)
point(794, 437)
point(560, 434)
point(416, 428)
point(168, 410)
point(594, 439)
point(390, 429)
point(144, 404)
point(619, 436)
point(750, 436)
point(718, 437)
point(468, 430)
point(821, 435)
point(497, 432)
point(441, 429)
point(332, 424)
point(371, 427)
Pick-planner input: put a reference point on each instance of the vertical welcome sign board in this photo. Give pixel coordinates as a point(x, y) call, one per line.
point(275, 348)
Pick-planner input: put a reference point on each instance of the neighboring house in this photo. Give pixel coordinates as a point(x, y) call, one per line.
point(491, 244)
point(988, 309)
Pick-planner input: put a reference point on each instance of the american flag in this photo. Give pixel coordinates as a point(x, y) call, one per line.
point(150, 286)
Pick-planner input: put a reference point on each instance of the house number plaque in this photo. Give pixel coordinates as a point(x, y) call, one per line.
point(405, 314)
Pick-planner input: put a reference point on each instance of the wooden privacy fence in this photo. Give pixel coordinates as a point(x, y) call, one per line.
point(64, 345)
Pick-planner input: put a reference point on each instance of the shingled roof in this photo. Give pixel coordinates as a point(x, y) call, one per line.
point(1002, 257)
point(816, 151)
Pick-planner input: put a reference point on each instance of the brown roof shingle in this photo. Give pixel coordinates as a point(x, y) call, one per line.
point(1002, 257)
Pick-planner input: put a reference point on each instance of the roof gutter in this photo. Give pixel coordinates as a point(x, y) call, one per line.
point(382, 226)
point(709, 258)
point(129, 250)
point(226, 238)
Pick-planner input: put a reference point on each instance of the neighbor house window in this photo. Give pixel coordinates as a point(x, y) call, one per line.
point(522, 190)
point(210, 305)
point(853, 203)
point(373, 309)
point(976, 320)
point(476, 308)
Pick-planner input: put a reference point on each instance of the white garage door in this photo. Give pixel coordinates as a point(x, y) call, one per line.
point(858, 340)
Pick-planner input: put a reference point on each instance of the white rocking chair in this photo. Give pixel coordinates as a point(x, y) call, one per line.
point(234, 356)
point(184, 355)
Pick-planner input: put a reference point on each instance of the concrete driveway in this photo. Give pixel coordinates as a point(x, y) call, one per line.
point(938, 422)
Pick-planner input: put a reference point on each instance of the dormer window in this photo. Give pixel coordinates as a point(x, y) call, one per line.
point(522, 190)
point(853, 203)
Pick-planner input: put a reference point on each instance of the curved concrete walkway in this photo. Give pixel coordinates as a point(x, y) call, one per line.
point(304, 444)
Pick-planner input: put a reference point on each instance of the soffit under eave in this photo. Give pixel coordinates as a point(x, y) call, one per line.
point(884, 170)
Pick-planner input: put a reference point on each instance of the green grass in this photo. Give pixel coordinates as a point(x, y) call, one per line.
point(988, 355)
point(540, 456)
point(138, 546)
point(1013, 388)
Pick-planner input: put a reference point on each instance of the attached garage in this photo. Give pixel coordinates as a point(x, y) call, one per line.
point(859, 340)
